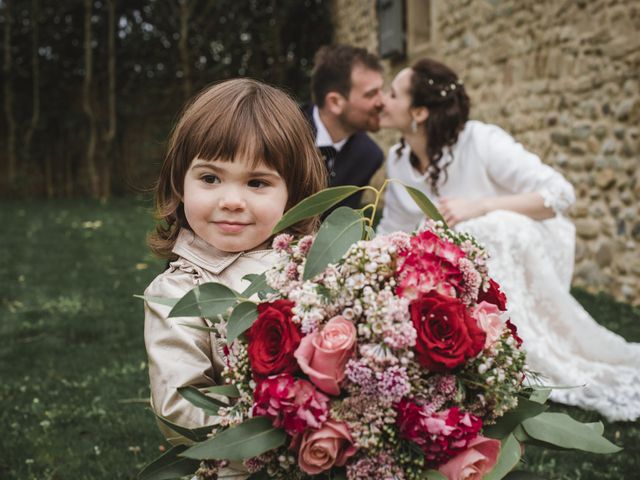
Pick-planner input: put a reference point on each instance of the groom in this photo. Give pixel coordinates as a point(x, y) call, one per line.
point(346, 85)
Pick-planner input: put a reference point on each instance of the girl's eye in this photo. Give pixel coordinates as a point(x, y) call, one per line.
point(211, 179)
point(258, 183)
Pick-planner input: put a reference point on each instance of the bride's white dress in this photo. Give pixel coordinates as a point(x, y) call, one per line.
point(533, 263)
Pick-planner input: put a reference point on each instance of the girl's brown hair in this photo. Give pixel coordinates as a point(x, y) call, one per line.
point(232, 119)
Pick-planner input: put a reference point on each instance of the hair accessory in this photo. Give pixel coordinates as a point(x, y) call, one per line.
point(446, 88)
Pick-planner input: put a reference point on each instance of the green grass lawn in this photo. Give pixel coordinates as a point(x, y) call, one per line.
point(72, 360)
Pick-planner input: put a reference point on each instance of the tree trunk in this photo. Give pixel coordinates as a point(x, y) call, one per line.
point(186, 7)
point(110, 134)
point(35, 67)
point(94, 181)
point(48, 174)
point(8, 94)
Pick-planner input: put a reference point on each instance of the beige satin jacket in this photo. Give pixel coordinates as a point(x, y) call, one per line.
point(180, 355)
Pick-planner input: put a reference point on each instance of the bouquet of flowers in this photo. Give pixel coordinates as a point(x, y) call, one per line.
point(388, 357)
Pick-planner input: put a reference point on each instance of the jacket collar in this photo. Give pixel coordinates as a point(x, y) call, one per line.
point(195, 250)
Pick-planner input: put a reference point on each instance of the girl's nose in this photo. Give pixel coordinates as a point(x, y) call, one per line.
point(231, 199)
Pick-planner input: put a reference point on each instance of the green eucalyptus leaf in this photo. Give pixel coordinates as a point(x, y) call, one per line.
point(207, 300)
point(341, 229)
point(522, 437)
point(540, 395)
point(241, 319)
point(562, 430)
point(315, 205)
point(597, 427)
point(196, 397)
point(434, 475)
point(258, 284)
point(508, 458)
point(230, 391)
point(249, 439)
point(169, 302)
point(169, 466)
point(510, 420)
point(428, 208)
point(193, 434)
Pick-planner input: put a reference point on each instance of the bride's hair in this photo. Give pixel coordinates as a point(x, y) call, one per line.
point(437, 87)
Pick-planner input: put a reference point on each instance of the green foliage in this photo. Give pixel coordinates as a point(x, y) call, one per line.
point(341, 229)
point(509, 457)
point(169, 466)
point(207, 300)
point(196, 397)
point(563, 431)
point(428, 208)
point(251, 438)
point(258, 285)
point(241, 319)
point(510, 420)
point(315, 205)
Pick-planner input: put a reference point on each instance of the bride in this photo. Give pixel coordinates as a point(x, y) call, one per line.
point(487, 184)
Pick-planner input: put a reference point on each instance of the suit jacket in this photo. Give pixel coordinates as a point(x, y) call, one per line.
point(354, 164)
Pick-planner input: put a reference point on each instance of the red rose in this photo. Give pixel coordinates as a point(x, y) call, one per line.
point(494, 295)
point(272, 339)
point(447, 334)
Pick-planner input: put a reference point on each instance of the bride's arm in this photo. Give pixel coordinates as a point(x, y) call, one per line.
point(457, 209)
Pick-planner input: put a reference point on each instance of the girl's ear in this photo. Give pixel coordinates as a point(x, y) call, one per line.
point(335, 102)
point(419, 114)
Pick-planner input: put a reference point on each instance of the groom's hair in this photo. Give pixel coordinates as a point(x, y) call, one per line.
point(332, 69)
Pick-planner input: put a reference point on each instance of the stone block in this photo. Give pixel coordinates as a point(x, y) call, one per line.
point(604, 255)
point(560, 138)
point(587, 228)
point(605, 179)
point(581, 132)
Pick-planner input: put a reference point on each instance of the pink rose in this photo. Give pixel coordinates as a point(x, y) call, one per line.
point(488, 317)
point(323, 355)
point(322, 449)
point(477, 460)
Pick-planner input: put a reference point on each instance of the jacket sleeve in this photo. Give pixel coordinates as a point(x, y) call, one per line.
point(517, 170)
point(178, 355)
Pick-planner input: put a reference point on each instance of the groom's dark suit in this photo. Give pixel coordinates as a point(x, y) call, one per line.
point(355, 163)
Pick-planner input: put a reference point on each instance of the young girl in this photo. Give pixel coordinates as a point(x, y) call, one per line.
point(241, 154)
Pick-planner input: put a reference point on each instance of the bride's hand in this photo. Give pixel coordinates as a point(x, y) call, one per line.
point(457, 209)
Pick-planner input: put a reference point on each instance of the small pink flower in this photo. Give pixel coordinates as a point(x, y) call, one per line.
point(282, 242)
point(477, 460)
point(323, 354)
point(321, 450)
point(292, 403)
point(305, 244)
point(488, 317)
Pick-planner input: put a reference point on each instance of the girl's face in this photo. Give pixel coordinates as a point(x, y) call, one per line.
point(396, 110)
point(232, 206)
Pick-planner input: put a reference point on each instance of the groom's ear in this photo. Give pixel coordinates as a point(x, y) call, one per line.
point(335, 102)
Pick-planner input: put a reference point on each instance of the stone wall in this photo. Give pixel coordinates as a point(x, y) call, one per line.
point(563, 78)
